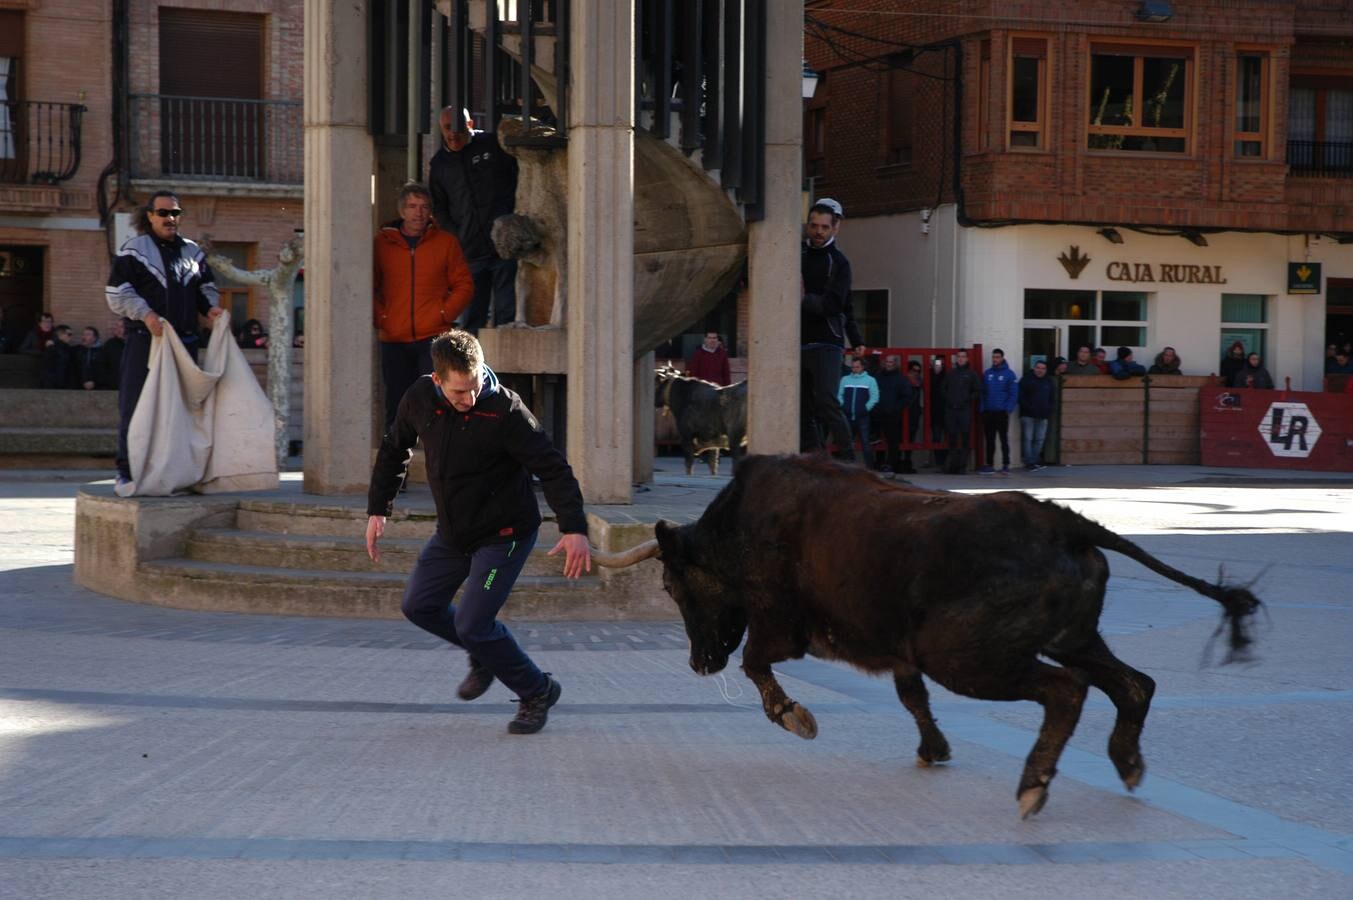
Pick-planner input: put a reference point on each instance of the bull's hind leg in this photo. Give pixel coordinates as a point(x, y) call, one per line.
point(1061, 693)
point(1131, 693)
point(914, 696)
point(757, 657)
point(712, 459)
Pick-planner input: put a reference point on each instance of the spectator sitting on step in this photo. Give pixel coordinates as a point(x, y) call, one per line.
point(1231, 363)
point(1253, 375)
point(1124, 367)
point(252, 335)
point(40, 337)
point(1084, 363)
point(88, 358)
point(1167, 363)
point(56, 369)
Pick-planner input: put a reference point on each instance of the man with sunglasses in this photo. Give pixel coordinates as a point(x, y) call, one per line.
point(159, 279)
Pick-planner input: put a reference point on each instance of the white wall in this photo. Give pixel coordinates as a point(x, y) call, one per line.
point(988, 270)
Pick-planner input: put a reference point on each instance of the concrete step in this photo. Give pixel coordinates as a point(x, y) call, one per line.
point(414, 518)
point(339, 554)
point(39, 441)
point(73, 409)
point(195, 584)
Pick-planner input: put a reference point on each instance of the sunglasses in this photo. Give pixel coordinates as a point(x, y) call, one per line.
point(167, 213)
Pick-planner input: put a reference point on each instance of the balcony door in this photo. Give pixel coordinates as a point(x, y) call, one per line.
point(211, 88)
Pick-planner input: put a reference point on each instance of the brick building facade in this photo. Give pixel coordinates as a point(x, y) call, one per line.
point(231, 148)
point(975, 144)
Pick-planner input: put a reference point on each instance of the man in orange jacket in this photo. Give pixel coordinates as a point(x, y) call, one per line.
point(421, 284)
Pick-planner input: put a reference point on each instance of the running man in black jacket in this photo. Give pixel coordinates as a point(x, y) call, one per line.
point(482, 445)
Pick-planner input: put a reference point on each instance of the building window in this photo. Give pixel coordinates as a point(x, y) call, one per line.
point(11, 114)
point(1139, 98)
point(1028, 92)
point(815, 142)
point(870, 309)
point(1065, 320)
point(900, 97)
point(1244, 318)
point(1251, 104)
point(1320, 124)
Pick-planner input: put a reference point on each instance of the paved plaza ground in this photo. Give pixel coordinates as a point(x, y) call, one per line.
point(152, 752)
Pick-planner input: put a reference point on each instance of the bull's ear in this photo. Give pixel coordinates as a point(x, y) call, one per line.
point(669, 540)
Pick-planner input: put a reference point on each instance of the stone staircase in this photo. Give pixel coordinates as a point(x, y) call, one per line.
point(303, 558)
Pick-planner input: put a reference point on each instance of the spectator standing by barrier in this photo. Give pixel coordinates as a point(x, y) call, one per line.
point(895, 393)
point(473, 182)
point(42, 334)
point(1253, 375)
point(110, 359)
point(858, 394)
point(1037, 400)
point(915, 413)
point(1102, 360)
point(1000, 395)
point(962, 388)
point(939, 457)
point(1084, 363)
point(1232, 362)
point(1167, 363)
point(709, 362)
point(56, 366)
point(1342, 363)
point(159, 278)
point(421, 285)
point(88, 358)
point(1125, 367)
point(822, 327)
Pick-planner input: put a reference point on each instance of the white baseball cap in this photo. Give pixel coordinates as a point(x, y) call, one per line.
point(832, 205)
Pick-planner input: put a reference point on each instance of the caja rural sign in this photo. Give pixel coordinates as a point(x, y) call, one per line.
point(1276, 429)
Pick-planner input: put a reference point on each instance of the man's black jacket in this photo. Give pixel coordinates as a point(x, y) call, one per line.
point(471, 188)
point(824, 315)
point(479, 466)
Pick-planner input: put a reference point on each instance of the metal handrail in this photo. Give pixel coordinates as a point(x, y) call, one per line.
point(1320, 159)
point(39, 141)
point(217, 138)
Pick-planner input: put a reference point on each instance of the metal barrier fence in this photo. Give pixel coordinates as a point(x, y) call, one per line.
point(217, 139)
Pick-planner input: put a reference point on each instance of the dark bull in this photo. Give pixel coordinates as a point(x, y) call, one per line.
point(976, 592)
point(708, 418)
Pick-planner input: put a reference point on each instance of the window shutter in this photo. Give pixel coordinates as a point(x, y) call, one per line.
point(1029, 47)
point(211, 54)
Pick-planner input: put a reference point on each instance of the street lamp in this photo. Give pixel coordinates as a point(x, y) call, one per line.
point(810, 80)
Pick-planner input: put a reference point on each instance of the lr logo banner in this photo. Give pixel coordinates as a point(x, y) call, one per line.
point(1289, 429)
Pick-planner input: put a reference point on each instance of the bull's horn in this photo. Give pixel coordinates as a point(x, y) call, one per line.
point(626, 558)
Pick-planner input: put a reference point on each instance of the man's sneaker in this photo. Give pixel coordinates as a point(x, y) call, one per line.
point(533, 711)
point(1005, 470)
point(986, 470)
point(476, 682)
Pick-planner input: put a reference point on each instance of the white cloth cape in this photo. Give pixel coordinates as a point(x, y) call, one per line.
point(206, 429)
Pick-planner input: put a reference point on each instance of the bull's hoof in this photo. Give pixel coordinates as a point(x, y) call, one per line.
point(1133, 773)
point(1031, 800)
point(926, 757)
point(800, 721)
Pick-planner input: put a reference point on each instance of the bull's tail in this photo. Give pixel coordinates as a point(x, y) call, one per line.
point(1237, 602)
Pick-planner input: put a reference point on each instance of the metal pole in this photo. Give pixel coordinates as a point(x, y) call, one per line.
point(411, 125)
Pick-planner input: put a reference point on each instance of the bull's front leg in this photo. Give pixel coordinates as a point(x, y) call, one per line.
point(757, 658)
point(688, 447)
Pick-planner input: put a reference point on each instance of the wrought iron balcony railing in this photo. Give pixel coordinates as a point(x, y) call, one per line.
point(39, 141)
point(1320, 159)
point(217, 139)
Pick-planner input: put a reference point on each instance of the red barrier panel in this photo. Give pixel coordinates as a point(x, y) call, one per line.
point(1276, 429)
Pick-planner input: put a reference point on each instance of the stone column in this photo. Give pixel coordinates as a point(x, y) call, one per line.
point(644, 415)
point(338, 167)
point(601, 249)
point(773, 246)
